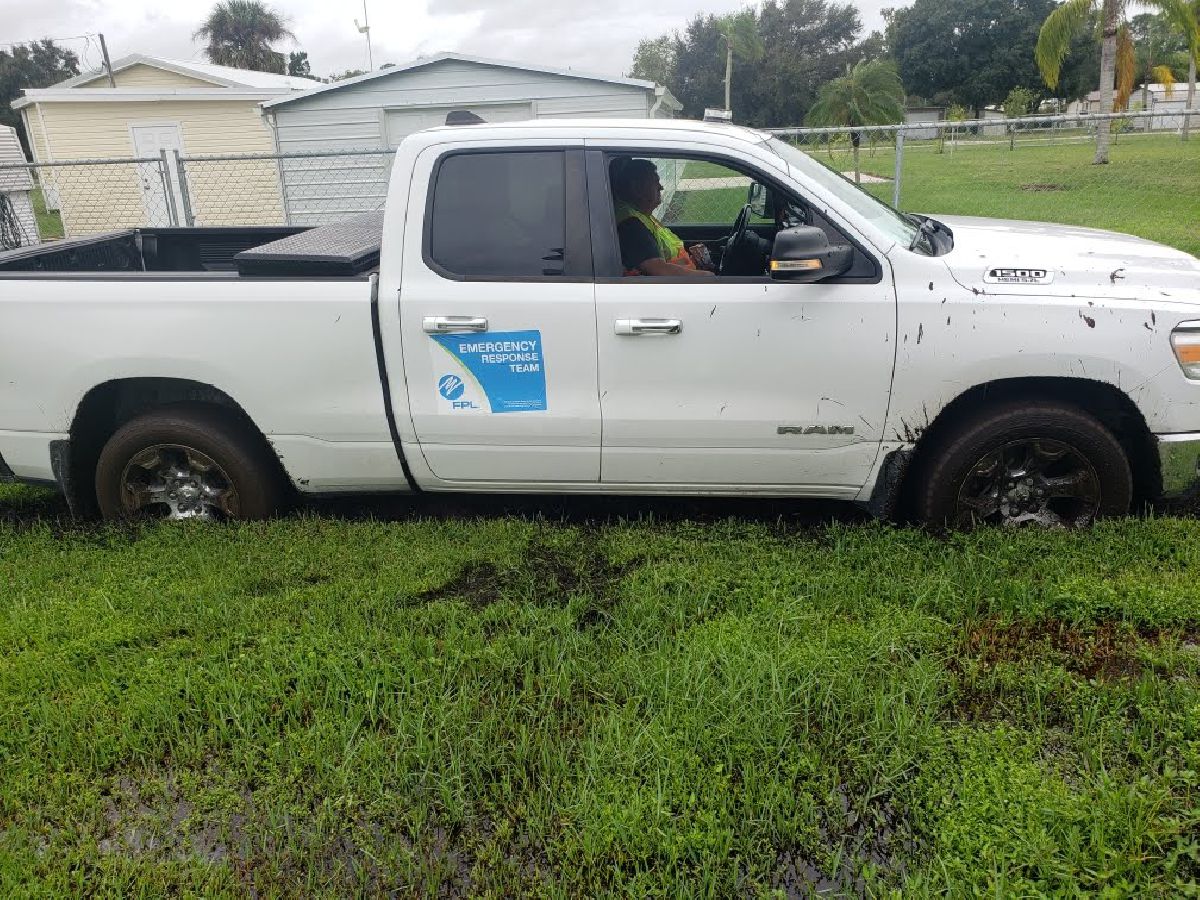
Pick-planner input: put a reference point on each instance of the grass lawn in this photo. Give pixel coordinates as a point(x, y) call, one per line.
point(49, 223)
point(1151, 188)
point(505, 705)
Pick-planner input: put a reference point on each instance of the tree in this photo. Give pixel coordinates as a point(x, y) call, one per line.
point(971, 52)
point(654, 59)
point(740, 34)
point(805, 44)
point(298, 66)
point(35, 65)
point(1118, 59)
point(1019, 102)
point(240, 33)
point(871, 93)
point(1185, 19)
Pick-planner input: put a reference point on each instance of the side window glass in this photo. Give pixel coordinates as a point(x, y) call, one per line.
point(698, 192)
point(499, 214)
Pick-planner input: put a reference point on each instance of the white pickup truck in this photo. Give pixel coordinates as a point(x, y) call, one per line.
point(481, 336)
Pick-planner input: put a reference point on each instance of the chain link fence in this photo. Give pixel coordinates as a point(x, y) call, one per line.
point(1036, 167)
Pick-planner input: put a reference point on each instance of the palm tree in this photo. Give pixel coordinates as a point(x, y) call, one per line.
point(1117, 62)
point(869, 94)
point(1185, 17)
point(239, 33)
point(740, 33)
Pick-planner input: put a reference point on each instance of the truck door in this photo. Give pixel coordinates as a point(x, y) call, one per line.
point(735, 382)
point(497, 317)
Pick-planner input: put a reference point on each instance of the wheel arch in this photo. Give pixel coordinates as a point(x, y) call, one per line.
point(1108, 403)
point(109, 405)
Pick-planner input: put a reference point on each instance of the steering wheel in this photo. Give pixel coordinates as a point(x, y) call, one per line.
point(736, 237)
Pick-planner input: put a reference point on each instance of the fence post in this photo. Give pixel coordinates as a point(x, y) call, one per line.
point(899, 167)
point(185, 195)
point(168, 194)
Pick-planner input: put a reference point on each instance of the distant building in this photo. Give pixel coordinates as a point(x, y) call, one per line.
point(158, 104)
point(916, 115)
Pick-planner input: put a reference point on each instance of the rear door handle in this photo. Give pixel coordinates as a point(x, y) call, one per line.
point(638, 327)
point(442, 324)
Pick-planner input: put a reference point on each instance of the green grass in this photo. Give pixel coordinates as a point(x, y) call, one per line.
point(502, 706)
point(49, 223)
point(1151, 187)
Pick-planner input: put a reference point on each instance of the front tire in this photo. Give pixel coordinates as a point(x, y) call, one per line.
point(1029, 463)
point(187, 461)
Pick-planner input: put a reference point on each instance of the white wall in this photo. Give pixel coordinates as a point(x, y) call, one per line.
point(354, 117)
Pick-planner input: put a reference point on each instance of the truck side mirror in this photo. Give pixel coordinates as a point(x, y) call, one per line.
point(804, 254)
point(759, 199)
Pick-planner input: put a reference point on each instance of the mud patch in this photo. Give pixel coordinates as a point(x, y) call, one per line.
point(875, 839)
point(547, 573)
point(1105, 652)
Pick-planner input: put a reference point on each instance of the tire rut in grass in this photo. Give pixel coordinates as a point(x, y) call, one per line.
point(1105, 652)
point(547, 574)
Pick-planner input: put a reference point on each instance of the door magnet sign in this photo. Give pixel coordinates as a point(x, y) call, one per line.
point(500, 372)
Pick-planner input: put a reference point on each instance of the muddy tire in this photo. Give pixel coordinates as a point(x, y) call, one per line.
point(187, 461)
point(1027, 463)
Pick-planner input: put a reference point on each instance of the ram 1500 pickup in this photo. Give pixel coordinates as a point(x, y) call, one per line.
point(482, 334)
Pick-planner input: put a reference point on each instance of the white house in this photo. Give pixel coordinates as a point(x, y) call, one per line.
point(157, 104)
point(18, 225)
point(379, 109)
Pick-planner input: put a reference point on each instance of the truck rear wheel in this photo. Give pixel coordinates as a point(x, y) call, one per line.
point(1030, 463)
point(186, 461)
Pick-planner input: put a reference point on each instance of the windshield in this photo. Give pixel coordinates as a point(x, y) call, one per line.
point(880, 214)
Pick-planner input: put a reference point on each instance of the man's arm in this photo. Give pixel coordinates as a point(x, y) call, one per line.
point(639, 251)
point(659, 266)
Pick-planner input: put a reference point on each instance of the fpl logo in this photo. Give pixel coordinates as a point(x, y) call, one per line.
point(452, 387)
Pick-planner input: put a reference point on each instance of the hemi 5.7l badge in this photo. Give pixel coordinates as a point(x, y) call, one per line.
point(1018, 276)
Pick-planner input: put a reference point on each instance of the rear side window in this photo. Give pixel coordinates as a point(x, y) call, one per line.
point(499, 215)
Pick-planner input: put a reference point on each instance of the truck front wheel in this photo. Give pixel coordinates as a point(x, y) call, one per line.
point(186, 461)
point(1030, 463)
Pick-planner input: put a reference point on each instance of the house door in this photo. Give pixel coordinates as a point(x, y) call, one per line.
point(149, 140)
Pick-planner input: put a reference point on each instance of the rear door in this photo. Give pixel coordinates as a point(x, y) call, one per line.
point(497, 311)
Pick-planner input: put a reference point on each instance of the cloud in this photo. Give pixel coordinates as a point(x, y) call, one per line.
point(587, 35)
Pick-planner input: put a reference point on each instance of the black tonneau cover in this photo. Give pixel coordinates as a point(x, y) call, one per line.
point(343, 248)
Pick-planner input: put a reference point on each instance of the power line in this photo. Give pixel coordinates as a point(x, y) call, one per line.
point(57, 40)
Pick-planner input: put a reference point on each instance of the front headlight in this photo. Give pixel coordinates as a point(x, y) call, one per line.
point(1185, 341)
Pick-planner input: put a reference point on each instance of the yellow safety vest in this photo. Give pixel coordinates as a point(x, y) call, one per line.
point(670, 247)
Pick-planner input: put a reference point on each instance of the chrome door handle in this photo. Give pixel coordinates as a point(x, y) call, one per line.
point(648, 326)
point(441, 324)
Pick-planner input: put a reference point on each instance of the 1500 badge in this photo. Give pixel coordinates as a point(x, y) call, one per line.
point(1018, 276)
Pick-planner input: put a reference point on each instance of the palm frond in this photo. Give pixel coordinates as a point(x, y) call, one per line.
point(1054, 40)
point(1164, 76)
point(1184, 16)
point(1126, 68)
point(740, 31)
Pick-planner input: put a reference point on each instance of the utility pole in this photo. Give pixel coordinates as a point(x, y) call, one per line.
point(365, 29)
point(108, 65)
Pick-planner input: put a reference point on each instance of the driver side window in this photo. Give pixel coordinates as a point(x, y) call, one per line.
point(686, 212)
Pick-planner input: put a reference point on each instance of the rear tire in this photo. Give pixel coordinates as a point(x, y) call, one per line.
point(187, 461)
point(1025, 463)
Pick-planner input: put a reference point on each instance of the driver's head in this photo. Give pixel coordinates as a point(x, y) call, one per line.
point(636, 182)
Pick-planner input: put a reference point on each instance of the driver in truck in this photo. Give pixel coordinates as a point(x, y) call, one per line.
point(647, 246)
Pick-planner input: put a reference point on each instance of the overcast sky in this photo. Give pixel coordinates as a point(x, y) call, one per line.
point(588, 35)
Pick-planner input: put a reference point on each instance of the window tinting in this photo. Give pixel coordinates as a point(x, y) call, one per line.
point(499, 214)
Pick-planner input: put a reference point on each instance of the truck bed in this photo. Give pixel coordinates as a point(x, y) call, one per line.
point(343, 249)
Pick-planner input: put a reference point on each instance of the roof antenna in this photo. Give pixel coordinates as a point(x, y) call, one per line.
point(365, 28)
point(463, 117)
